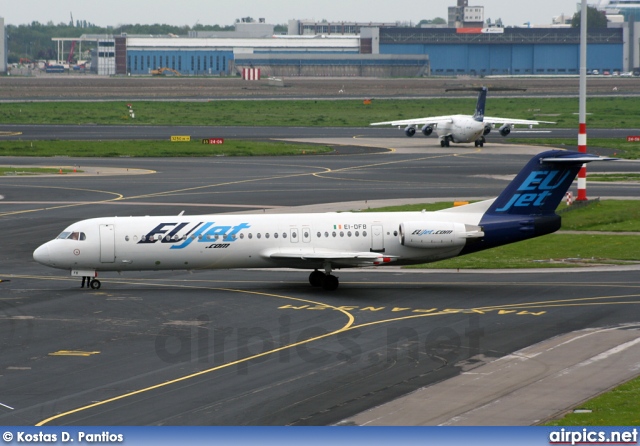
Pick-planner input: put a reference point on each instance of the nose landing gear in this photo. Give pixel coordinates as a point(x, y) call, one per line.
point(88, 277)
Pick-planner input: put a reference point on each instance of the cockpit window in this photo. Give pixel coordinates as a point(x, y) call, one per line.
point(72, 236)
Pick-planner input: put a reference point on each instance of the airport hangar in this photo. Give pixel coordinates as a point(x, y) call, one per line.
point(373, 51)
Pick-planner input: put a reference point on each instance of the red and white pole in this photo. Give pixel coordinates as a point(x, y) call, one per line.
point(582, 133)
point(582, 174)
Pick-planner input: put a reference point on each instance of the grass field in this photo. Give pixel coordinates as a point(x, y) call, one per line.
point(618, 407)
point(21, 171)
point(143, 148)
point(604, 112)
point(612, 113)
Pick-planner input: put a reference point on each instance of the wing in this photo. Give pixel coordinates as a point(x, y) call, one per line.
point(490, 120)
point(312, 258)
point(433, 120)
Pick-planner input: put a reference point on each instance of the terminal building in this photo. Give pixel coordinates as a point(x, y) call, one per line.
point(467, 45)
point(384, 51)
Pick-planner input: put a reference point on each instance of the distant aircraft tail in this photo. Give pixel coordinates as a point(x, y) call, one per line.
point(526, 208)
point(482, 99)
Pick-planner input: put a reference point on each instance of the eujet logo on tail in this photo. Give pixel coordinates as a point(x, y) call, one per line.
point(535, 189)
point(203, 232)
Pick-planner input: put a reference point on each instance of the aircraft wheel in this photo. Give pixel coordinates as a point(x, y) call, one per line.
point(330, 283)
point(446, 143)
point(316, 278)
point(95, 284)
point(475, 143)
point(442, 143)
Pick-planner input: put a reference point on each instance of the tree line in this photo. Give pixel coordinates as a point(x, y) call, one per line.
point(33, 41)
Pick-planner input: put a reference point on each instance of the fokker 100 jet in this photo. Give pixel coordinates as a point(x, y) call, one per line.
point(462, 128)
point(319, 242)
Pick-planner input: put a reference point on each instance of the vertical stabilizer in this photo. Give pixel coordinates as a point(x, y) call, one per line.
point(482, 99)
point(541, 185)
point(527, 207)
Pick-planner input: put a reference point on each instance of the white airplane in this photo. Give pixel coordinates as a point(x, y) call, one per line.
point(320, 242)
point(462, 128)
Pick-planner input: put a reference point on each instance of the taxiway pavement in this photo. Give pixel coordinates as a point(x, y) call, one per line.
point(263, 347)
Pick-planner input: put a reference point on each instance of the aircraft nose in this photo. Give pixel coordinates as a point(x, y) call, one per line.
point(41, 255)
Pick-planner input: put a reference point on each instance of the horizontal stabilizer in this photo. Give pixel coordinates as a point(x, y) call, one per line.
point(582, 158)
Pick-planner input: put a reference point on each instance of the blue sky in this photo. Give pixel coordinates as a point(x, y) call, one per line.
point(190, 12)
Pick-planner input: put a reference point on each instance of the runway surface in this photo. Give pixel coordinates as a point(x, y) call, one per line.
point(263, 347)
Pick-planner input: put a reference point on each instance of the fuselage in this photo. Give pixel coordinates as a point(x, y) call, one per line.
point(461, 129)
point(256, 241)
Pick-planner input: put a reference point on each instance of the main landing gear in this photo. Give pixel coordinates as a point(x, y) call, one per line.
point(444, 142)
point(327, 281)
point(480, 142)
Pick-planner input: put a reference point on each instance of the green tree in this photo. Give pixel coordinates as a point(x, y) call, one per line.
point(436, 21)
point(33, 40)
point(595, 19)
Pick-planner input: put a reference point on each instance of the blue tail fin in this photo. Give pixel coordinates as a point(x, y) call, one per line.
point(526, 208)
point(541, 185)
point(482, 99)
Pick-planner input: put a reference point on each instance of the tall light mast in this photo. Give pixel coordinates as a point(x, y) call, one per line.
point(582, 132)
